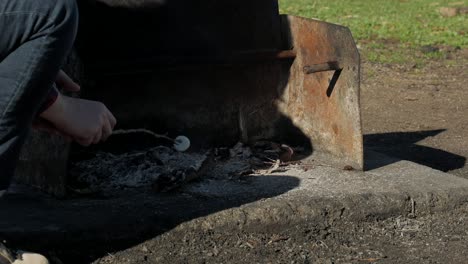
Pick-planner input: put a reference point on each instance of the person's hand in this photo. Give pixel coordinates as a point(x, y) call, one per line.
point(87, 122)
point(84, 121)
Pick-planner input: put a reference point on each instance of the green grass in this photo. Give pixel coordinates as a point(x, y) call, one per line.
point(411, 23)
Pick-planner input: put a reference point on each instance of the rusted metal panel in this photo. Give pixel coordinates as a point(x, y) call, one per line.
point(322, 95)
point(251, 75)
point(212, 104)
point(43, 163)
point(188, 67)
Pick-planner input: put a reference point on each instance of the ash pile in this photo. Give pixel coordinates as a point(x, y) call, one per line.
point(108, 172)
point(161, 168)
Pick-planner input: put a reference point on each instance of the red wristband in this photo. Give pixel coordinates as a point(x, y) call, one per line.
point(50, 100)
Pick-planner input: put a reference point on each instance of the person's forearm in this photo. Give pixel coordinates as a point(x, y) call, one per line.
point(134, 4)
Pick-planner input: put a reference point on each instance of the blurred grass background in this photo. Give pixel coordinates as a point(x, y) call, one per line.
point(404, 24)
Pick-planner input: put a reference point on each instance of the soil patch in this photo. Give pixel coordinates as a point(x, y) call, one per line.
point(418, 112)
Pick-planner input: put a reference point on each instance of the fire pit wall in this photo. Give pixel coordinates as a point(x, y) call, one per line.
point(225, 71)
point(204, 69)
point(44, 157)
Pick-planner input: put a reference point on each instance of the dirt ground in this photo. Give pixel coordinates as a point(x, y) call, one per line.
point(410, 111)
point(419, 113)
point(429, 239)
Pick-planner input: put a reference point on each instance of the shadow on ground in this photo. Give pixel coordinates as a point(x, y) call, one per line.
point(83, 230)
point(403, 146)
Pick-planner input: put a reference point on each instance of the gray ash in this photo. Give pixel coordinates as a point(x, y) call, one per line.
point(109, 172)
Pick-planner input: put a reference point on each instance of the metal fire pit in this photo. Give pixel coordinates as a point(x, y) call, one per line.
point(221, 72)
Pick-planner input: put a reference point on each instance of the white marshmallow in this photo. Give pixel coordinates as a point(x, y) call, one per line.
point(182, 143)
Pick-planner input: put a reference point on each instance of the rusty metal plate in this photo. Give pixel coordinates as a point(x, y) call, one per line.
point(293, 80)
point(322, 95)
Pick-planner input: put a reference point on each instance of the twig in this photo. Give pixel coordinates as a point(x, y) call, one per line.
point(413, 207)
point(277, 238)
point(274, 167)
point(141, 130)
point(249, 245)
point(369, 259)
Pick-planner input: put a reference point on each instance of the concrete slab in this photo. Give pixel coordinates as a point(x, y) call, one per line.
point(279, 200)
